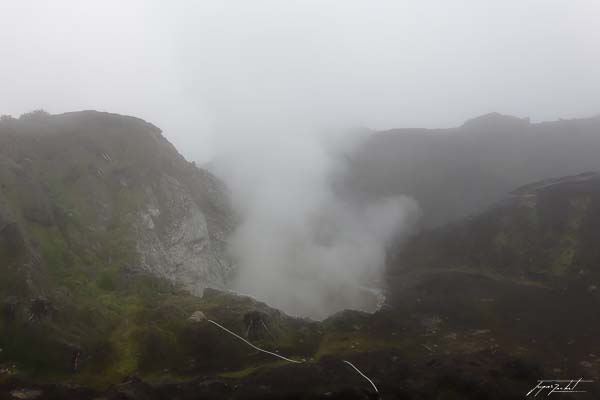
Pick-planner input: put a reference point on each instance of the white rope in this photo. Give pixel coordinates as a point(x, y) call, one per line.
point(361, 374)
point(253, 346)
point(287, 359)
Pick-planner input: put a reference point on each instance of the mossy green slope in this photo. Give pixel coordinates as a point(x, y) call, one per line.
point(71, 188)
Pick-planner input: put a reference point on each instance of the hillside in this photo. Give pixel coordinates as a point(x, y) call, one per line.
point(458, 172)
point(101, 221)
point(110, 192)
point(108, 236)
point(544, 232)
point(525, 273)
point(458, 324)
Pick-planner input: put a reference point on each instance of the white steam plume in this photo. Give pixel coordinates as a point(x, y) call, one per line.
point(300, 246)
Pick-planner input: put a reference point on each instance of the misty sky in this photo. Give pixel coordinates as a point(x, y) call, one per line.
point(191, 66)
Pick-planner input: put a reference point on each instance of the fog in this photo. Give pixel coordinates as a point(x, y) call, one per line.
point(273, 93)
point(301, 246)
point(382, 64)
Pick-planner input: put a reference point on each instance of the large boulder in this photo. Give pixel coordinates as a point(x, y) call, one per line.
point(197, 316)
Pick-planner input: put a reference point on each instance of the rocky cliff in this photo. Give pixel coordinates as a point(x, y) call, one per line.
point(109, 192)
point(106, 234)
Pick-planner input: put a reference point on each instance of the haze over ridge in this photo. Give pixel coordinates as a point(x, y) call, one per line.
point(387, 65)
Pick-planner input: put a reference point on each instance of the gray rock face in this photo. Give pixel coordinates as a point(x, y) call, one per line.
point(173, 239)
